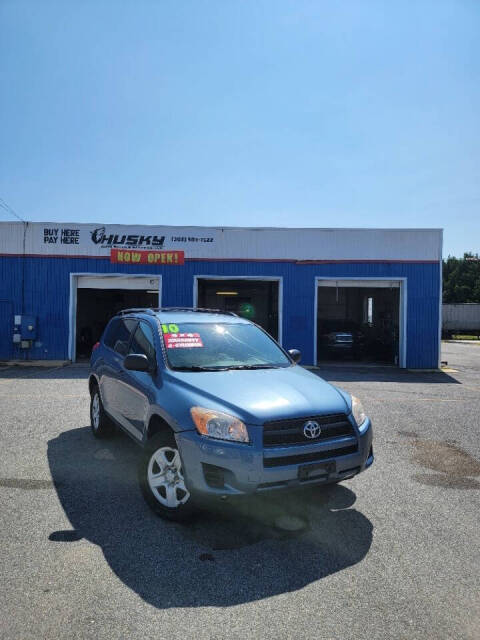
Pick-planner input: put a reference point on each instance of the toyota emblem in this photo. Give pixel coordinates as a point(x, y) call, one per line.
point(311, 429)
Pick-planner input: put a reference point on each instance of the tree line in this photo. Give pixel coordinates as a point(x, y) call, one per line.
point(461, 278)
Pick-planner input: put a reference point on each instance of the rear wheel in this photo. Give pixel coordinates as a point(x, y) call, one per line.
point(102, 426)
point(161, 479)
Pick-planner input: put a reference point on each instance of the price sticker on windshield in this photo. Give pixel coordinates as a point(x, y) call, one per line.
point(182, 340)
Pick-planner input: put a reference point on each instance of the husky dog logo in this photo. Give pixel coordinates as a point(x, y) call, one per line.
point(98, 235)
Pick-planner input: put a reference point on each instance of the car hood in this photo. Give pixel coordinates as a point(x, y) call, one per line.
point(260, 395)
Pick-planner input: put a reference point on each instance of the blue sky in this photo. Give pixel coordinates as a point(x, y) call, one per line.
point(246, 113)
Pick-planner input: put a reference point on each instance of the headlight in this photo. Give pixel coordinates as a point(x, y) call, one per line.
point(216, 424)
point(358, 413)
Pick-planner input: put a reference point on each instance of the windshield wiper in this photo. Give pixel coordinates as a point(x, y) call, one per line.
point(197, 368)
point(226, 368)
point(252, 366)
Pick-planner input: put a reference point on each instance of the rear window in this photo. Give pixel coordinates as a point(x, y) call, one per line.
point(117, 334)
point(328, 326)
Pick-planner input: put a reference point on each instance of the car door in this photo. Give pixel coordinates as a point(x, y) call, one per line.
point(138, 387)
point(117, 340)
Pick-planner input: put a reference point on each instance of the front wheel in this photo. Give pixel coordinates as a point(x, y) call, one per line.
point(161, 479)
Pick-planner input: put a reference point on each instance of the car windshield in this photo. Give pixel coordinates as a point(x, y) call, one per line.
point(219, 346)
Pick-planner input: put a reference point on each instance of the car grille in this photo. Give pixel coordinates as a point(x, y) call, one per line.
point(290, 432)
point(309, 457)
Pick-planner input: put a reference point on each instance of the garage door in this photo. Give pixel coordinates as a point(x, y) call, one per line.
point(96, 298)
point(251, 298)
point(360, 321)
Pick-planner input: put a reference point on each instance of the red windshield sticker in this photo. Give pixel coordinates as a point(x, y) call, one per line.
point(182, 340)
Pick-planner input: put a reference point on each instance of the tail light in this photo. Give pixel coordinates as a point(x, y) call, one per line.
point(95, 346)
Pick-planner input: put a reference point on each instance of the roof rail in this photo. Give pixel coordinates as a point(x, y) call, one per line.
point(154, 310)
point(123, 312)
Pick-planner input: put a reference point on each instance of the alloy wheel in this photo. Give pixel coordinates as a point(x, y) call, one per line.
point(96, 411)
point(165, 478)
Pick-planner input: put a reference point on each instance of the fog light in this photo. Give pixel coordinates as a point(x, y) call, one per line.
point(214, 476)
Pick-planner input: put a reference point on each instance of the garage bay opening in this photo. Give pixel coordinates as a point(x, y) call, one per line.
point(358, 321)
point(256, 300)
point(100, 298)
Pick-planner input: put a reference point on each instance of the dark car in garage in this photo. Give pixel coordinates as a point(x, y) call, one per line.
point(340, 338)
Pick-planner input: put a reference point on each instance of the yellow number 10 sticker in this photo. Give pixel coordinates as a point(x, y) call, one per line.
point(170, 328)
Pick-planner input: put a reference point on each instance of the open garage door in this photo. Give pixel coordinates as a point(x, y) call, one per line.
point(254, 299)
point(359, 321)
point(99, 297)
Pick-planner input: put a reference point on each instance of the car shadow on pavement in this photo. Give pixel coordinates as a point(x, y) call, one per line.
point(382, 374)
point(229, 554)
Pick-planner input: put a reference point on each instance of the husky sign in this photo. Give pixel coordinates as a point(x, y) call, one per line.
point(131, 240)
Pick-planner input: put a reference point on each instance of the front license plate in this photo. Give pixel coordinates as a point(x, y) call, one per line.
point(306, 471)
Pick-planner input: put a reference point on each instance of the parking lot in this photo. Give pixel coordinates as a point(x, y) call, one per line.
point(393, 553)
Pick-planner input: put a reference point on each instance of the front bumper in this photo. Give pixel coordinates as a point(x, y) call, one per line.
point(219, 468)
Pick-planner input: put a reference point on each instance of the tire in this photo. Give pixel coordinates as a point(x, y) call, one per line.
point(102, 426)
point(161, 480)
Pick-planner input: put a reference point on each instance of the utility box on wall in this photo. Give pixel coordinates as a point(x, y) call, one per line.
point(28, 328)
point(25, 330)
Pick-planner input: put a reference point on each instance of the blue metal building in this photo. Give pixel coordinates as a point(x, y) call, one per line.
point(296, 281)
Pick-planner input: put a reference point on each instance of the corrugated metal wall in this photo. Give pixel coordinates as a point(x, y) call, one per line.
point(47, 293)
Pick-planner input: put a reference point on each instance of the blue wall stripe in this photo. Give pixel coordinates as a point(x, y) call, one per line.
point(47, 292)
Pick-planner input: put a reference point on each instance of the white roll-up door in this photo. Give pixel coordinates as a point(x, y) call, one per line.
point(118, 282)
point(382, 284)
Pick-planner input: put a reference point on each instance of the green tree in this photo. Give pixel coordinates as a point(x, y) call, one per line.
point(461, 278)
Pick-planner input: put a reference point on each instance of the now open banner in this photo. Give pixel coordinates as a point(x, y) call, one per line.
point(126, 256)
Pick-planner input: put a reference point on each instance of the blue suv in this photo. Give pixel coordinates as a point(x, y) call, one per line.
point(220, 408)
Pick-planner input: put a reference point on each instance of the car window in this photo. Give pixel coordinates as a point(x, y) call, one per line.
point(216, 346)
point(117, 335)
point(143, 342)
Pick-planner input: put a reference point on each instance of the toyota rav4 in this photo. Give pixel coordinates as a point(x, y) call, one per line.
point(220, 409)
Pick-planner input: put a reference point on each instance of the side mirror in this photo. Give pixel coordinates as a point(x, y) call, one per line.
point(295, 355)
point(137, 362)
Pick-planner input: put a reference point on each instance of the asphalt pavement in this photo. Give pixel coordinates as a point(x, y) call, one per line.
point(392, 553)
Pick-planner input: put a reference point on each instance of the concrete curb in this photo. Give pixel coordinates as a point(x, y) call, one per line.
point(34, 363)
